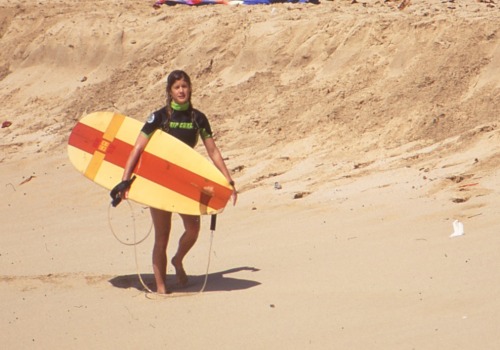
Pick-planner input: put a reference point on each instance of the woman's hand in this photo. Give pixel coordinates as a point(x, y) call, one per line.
point(234, 196)
point(214, 154)
point(120, 191)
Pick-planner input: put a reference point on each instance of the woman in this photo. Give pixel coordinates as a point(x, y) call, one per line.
point(181, 120)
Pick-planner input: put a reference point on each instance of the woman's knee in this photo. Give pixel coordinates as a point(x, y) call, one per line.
point(162, 225)
point(191, 223)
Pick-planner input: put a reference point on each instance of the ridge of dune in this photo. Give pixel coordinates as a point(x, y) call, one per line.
point(398, 76)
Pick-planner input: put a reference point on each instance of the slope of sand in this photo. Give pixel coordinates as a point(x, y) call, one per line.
point(380, 124)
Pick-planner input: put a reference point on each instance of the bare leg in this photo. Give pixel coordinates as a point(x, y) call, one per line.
point(162, 224)
point(186, 242)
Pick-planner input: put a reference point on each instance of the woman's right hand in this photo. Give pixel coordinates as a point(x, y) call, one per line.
point(120, 191)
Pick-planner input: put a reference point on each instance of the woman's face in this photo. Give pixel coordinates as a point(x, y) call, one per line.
point(180, 91)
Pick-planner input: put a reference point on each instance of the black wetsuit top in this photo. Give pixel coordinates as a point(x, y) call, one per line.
point(186, 126)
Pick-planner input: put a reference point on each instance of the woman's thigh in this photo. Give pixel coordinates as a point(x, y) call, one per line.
point(162, 222)
point(191, 222)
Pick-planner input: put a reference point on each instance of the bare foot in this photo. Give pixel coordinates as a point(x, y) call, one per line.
point(179, 272)
point(163, 290)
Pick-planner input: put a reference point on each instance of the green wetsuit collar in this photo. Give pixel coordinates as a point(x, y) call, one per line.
point(179, 107)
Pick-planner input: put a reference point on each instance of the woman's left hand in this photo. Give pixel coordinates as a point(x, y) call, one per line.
point(234, 196)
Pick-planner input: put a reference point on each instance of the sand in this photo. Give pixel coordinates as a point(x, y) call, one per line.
point(379, 121)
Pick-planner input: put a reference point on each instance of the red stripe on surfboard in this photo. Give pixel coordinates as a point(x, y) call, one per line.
point(180, 180)
point(85, 138)
point(160, 171)
point(88, 139)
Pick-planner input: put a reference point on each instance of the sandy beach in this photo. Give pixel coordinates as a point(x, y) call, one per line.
point(378, 120)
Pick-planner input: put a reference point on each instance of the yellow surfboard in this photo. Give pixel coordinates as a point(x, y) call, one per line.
point(170, 175)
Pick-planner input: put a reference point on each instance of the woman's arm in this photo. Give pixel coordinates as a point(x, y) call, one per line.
point(215, 155)
point(133, 158)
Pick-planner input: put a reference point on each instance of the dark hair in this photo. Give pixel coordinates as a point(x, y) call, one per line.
point(172, 78)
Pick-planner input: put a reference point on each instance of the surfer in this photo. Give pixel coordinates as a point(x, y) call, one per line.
point(179, 119)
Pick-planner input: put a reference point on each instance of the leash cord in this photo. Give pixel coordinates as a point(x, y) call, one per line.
point(136, 243)
point(133, 221)
point(208, 262)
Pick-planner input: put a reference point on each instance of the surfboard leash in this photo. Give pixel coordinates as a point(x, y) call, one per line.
point(135, 243)
point(213, 224)
point(133, 221)
point(149, 292)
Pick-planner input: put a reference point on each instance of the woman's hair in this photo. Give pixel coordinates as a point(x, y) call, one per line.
point(172, 78)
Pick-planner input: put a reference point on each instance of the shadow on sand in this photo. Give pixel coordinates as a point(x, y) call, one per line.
point(216, 282)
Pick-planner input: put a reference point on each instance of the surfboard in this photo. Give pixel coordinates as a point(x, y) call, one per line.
point(170, 175)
